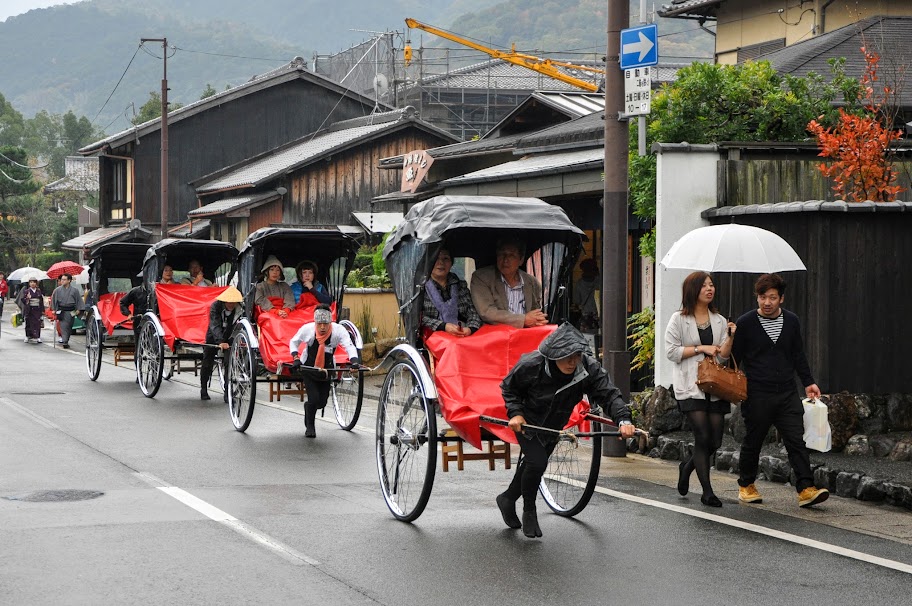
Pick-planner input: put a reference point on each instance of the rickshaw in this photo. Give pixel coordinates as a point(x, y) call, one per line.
point(113, 271)
point(259, 350)
point(177, 315)
point(463, 384)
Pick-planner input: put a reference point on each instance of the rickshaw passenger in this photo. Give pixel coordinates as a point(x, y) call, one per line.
point(167, 275)
point(505, 294)
point(543, 389)
point(320, 339)
point(223, 313)
point(307, 284)
point(196, 275)
point(447, 301)
point(273, 294)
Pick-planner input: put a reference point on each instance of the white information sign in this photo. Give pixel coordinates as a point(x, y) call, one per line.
point(637, 91)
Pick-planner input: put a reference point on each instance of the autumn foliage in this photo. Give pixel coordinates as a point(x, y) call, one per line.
point(858, 145)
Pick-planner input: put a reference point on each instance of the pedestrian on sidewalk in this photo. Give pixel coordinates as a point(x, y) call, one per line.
point(543, 389)
point(64, 301)
point(31, 302)
point(770, 350)
point(319, 340)
point(694, 332)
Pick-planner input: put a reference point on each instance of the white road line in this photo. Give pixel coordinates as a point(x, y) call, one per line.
point(776, 534)
point(25, 412)
point(214, 513)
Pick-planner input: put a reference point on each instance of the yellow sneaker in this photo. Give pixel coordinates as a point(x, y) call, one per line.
point(812, 496)
point(749, 494)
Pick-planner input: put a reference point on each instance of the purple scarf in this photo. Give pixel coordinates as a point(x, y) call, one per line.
point(449, 310)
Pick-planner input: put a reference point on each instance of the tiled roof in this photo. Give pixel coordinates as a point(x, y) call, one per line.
point(499, 74)
point(689, 7)
point(81, 175)
point(804, 207)
point(532, 166)
point(191, 229)
point(228, 205)
point(889, 35)
point(104, 234)
point(304, 151)
point(576, 133)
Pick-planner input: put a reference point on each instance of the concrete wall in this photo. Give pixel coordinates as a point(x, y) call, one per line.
point(382, 307)
point(686, 185)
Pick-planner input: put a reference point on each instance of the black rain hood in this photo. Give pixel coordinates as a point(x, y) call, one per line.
point(563, 342)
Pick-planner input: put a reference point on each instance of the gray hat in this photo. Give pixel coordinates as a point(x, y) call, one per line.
point(563, 342)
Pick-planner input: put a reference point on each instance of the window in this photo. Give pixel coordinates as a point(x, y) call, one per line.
point(121, 190)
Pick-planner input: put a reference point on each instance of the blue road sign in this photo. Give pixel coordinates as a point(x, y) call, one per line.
point(639, 46)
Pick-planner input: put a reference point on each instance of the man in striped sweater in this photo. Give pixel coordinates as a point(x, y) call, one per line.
point(769, 349)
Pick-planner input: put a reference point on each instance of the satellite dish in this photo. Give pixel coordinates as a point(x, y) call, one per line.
point(381, 85)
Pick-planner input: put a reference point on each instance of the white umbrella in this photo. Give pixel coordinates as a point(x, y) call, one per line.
point(24, 274)
point(82, 278)
point(732, 248)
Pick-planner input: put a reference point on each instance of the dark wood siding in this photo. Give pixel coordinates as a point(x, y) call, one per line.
point(852, 301)
point(264, 216)
point(327, 192)
point(229, 133)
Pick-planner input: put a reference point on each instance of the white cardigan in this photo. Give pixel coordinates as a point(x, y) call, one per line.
point(681, 334)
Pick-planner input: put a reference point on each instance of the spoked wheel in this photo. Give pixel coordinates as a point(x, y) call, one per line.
point(347, 395)
point(241, 377)
point(406, 442)
point(151, 352)
point(572, 472)
point(220, 369)
point(93, 347)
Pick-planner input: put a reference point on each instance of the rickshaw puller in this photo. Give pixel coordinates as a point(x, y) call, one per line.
point(223, 313)
point(320, 339)
point(543, 389)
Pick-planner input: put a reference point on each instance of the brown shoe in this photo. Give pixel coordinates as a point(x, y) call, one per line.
point(812, 496)
point(749, 494)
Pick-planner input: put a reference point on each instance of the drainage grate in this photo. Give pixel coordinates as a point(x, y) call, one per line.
point(56, 496)
point(37, 393)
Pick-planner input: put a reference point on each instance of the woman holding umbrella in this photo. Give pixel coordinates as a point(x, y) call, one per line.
point(694, 332)
point(31, 302)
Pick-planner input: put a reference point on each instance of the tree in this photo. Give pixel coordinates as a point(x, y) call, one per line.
point(209, 92)
point(12, 125)
point(53, 137)
point(859, 144)
point(151, 109)
point(27, 223)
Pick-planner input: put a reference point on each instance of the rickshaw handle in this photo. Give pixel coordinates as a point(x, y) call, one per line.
point(606, 421)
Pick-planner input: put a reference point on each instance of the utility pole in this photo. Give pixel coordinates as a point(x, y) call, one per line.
point(164, 135)
point(616, 358)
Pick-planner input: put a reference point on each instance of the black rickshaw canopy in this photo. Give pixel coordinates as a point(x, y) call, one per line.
point(115, 260)
point(469, 226)
point(218, 259)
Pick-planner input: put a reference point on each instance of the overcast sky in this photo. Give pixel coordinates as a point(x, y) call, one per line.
point(8, 8)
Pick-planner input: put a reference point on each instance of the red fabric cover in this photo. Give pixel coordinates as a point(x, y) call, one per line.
point(308, 299)
point(276, 334)
point(469, 370)
point(278, 303)
point(184, 311)
point(109, 310)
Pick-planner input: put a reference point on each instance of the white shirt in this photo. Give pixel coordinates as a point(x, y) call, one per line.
point(307, 334)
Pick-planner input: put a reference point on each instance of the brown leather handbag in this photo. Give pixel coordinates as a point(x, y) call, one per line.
point(730, 384)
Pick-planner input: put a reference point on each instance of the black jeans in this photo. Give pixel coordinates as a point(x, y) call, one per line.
point(530, 469)
point(784, 412)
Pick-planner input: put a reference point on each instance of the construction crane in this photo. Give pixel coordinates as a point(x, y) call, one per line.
point(542, 66)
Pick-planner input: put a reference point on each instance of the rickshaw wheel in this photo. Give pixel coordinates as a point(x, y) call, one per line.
point(570, 478)
point(93, 347)
point(220, 370)
point(406, 442)
point(347, 395)
point(151, 352)
point(241, 377)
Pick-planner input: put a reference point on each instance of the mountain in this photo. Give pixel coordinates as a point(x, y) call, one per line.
point(71, 57)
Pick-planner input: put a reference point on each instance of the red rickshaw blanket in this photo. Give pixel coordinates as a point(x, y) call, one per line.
point(109, 310)
point(184, 311)
point(469, 370)
point(276, 333)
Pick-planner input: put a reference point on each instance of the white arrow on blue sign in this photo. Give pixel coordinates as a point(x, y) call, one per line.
point(639, 46)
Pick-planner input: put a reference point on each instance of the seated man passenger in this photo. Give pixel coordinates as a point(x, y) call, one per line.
point(505, 294)
point(273, 294)
point(196, 275)
point(306, 271)
point(447, 301)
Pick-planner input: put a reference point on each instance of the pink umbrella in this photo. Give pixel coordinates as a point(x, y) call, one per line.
point(64, 267)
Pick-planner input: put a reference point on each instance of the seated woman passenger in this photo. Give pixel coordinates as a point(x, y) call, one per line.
point(447, 301)
point(307, 291)
point(273, 294)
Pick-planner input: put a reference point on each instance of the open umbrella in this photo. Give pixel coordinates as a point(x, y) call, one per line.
point(732, 248)
point(24, 274)
point(64, 267)
point(82, 277)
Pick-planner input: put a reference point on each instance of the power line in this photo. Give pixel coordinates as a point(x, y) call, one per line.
point(187, 50)
point(118, 83)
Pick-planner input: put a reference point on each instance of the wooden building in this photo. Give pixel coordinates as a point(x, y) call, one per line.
point(203, 137)
point(320, 179)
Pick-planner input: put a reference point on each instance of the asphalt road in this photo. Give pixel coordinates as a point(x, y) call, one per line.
point(194, 512)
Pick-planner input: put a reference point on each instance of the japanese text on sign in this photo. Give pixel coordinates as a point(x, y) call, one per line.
point(637, 91)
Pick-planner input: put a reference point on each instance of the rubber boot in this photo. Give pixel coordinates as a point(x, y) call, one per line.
point(204, 384)
point(310, 417)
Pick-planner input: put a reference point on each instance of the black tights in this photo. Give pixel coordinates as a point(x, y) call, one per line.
point(707, 430)
point(530, 469)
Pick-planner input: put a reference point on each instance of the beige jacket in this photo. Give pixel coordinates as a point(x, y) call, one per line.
point(681, 334)
point(490, 296)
